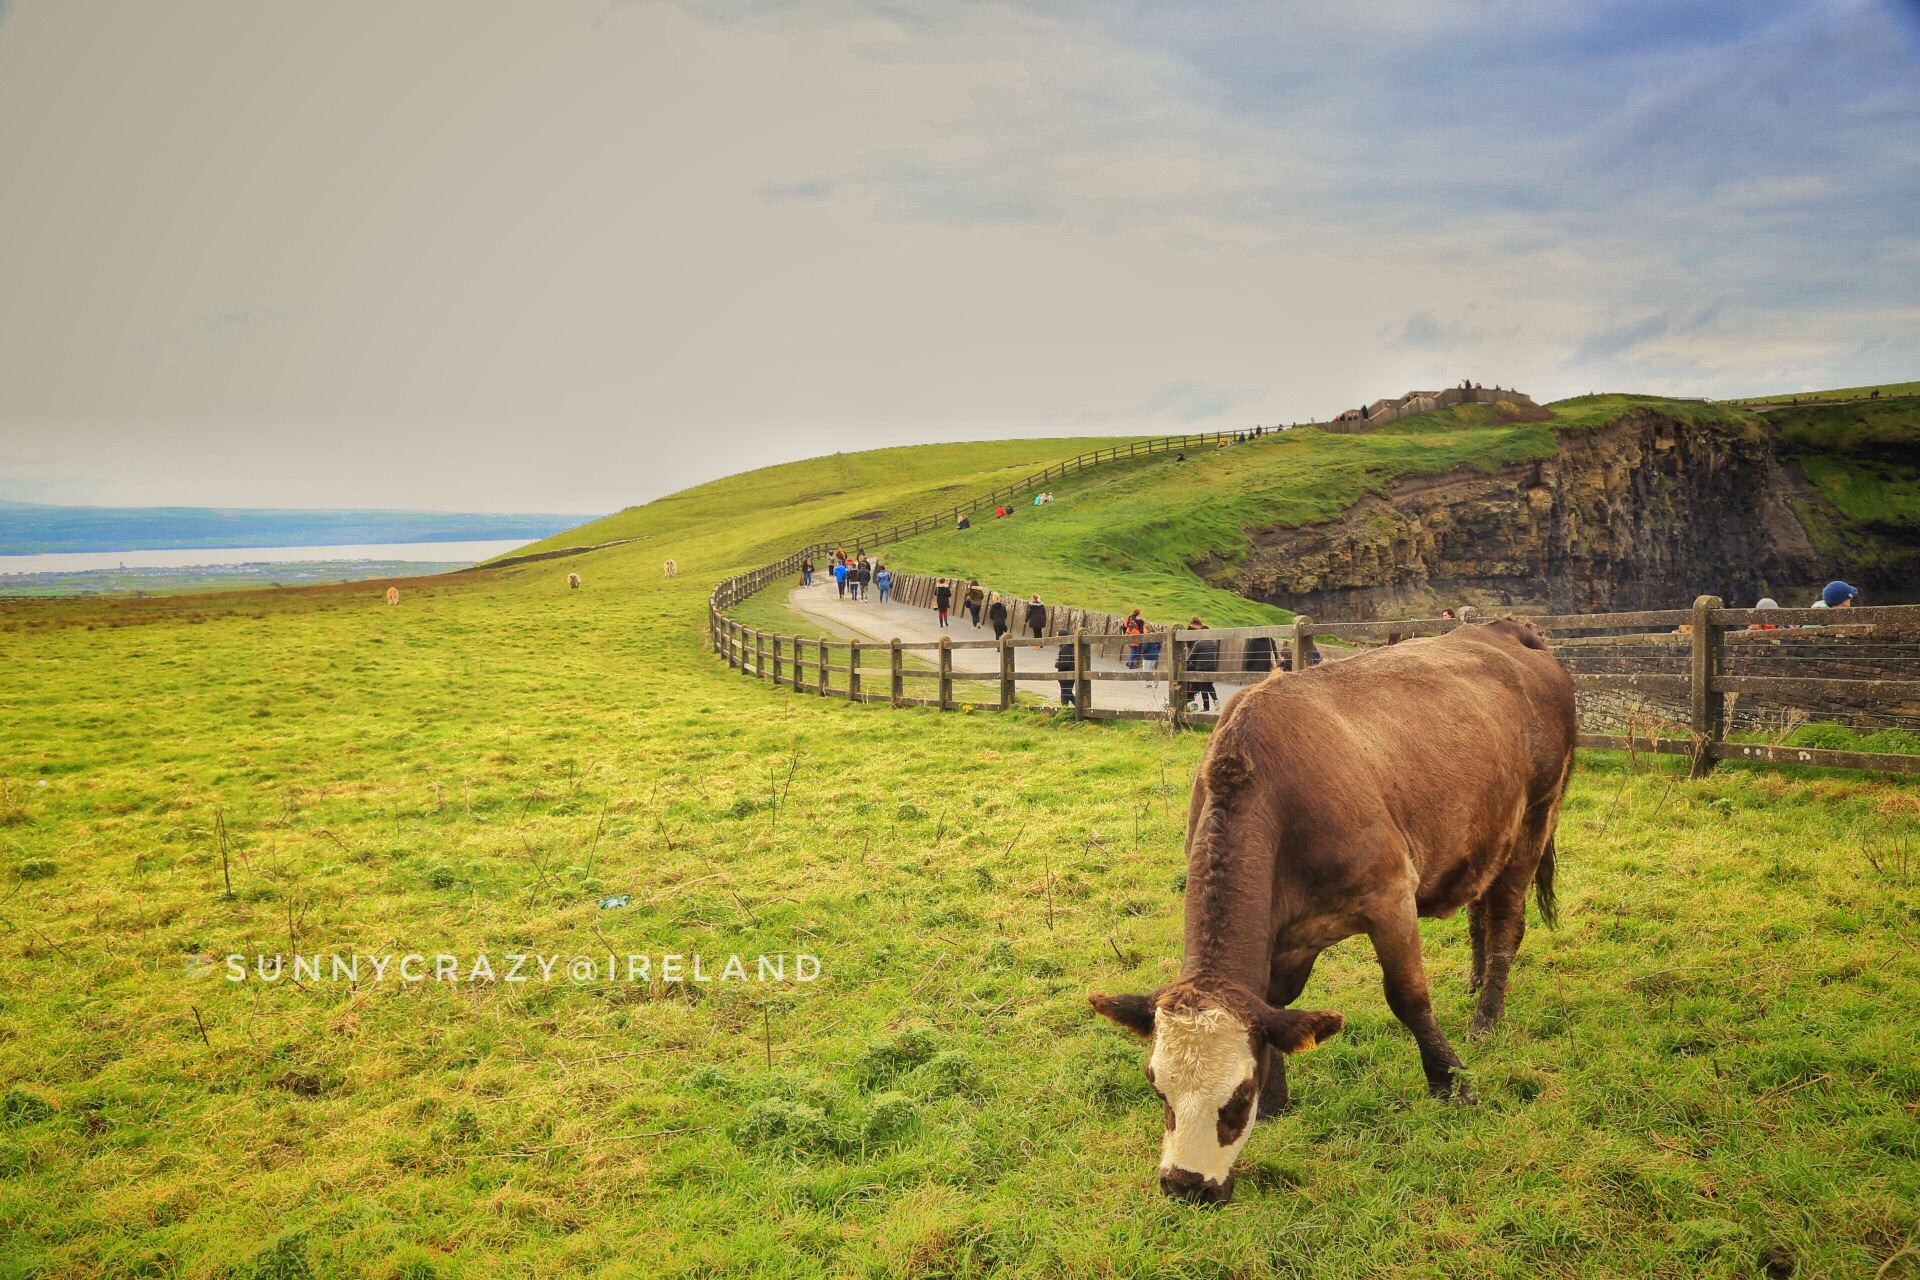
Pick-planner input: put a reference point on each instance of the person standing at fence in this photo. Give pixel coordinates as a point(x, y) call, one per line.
point(1259, 660)
point(1203, 657)
point(865, 572)
point(974, 599)
point(997, 616)
point(1036, 618)
point(883, 579)
point(1766, 602)
point(1133, 625)
point(806, 570)
point(1838, 595)
point(942, 600)
point(840, 577)
point(1063, 661)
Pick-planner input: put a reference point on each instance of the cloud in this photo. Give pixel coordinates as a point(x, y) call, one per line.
point(1421, 332)
point(1187, 401)
point(805, 189)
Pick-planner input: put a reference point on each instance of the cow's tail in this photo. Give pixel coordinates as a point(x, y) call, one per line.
point(1543, 887)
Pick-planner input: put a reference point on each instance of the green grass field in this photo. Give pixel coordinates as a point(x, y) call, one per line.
point(1711, 1057)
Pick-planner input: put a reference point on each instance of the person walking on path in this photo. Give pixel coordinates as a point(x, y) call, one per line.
point(866, 575)
point(942, 600)
point(883, 579)
point(1036, 618)
point(1063, 661)
point(975, 598)
point(1203, 657)
point(1133, 625)
point(806, 570)
point(997, 615)
point(840, 577)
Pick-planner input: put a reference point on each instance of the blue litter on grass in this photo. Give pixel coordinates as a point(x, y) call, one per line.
point(608, 904)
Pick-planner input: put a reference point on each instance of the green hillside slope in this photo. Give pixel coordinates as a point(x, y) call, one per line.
point(1127, 539)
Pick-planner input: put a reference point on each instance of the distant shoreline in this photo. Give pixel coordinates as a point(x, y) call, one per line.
point(15, 567)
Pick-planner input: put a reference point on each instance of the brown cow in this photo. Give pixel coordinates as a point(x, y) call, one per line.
point(1352, 798)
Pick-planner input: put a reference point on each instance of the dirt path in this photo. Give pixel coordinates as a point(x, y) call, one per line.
point(872, 620)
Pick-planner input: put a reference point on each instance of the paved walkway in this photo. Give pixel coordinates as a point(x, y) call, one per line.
point(872, 620)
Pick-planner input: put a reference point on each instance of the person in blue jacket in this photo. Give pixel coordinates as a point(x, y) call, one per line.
point(840, 577)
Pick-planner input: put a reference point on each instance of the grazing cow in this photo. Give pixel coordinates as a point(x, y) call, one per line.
point(573, 581)
point(393, 595)
point(673, 570)
point(1352, 798)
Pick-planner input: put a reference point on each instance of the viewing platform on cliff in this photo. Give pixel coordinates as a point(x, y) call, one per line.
point(1381, 412)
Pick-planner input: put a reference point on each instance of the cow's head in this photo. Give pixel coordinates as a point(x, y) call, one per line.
point(1211, 1052)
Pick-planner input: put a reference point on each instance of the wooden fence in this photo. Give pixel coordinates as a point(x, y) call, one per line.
point(869, 671)
point(872, 535)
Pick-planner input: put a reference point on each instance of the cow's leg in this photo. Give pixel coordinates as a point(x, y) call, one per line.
point(1287, 980)
point(1396, 941)
point(1506, 901)
point(1477, 931)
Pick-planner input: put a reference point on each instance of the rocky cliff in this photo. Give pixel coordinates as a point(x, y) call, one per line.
point(1647, 512)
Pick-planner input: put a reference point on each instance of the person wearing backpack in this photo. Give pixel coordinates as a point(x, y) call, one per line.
point(1036, 618)
point(975, 597)
point(1204, 656)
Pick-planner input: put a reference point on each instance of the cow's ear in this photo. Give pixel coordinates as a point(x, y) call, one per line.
point(1135, 1013)
point(1294, 1031)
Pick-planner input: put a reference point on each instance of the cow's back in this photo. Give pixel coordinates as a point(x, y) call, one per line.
point(1444, 743)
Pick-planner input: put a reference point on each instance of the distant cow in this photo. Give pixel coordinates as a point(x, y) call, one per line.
point(573, 580)
point(393, 595)
point(673, 570)
point(1352, 798)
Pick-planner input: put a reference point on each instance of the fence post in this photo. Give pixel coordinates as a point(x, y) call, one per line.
point(776, 657)
point(1467, 613)
point(1176, 680)
point(760, 654)
point(1709, 708)
point(853, 670)
point(946, 673)
point(1082, 683)
point(896, 684)
point(824, 656)
point(1302, 641)
point(1006, 672)
point(799, 665)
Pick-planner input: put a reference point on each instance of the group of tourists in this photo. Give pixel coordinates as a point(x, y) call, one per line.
point(855, 577)
point(972, 597)
point(1835, 595)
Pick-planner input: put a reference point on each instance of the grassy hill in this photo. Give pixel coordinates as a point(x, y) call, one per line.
point(1710, 1056)
point(1129, 537)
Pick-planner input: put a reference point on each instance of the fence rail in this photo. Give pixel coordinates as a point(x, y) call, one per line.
point(1864, 656)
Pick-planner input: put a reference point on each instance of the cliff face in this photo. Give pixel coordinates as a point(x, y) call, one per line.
point(1646, 513)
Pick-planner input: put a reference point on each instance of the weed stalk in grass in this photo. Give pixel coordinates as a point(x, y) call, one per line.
point(220, 829)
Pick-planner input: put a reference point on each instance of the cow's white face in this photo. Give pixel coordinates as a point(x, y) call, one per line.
point(1204, 1069)
point(1209, 1062)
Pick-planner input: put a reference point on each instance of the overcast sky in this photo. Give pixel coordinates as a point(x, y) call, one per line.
point(553, 255)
